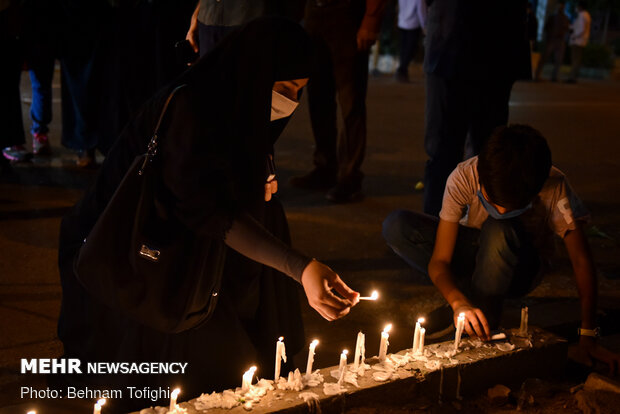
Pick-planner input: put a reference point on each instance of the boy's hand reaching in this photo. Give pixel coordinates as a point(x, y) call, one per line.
point(590, 350)
point(318, 281)
point(475, 322)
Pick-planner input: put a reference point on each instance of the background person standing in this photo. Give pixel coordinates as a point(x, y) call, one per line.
point(411, 23)
point(474, 53)
point(556, 29)
point(342, 32)
point(579, 39)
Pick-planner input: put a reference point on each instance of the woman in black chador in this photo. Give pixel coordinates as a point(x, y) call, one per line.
point(216, 137)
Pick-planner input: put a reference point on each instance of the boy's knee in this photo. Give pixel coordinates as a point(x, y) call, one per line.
point(394, 224)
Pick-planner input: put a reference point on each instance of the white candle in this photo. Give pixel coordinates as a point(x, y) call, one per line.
point(359, 346)
point(524, 321)
point(343, 366)
point(311, 350)
point(247, 379)
point(421, 343)
point(98, 405)
point(460, 325)
point(363, 350)
point(280, 356)
point(373, 296)
point(416, 336)
point(498, 337)
point(383, 346)
point(173, 399)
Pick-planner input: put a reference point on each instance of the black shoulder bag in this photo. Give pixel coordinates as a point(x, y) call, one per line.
point(140, 261)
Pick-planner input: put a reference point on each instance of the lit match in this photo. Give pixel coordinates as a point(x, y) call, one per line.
point(373, 296)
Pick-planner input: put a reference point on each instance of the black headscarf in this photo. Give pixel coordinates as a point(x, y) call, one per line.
point(219, 130)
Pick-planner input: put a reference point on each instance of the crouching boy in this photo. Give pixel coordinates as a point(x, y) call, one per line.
point(494, 236)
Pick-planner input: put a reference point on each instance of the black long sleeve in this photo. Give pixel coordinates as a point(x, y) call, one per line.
point(252, 240)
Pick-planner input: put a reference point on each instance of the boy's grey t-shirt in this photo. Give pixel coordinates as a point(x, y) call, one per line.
point(554, 210)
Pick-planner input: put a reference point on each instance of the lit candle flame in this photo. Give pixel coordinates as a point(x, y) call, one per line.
point(101, 402)
point(345, 352)
point(314, 343)
point(176, 392)
point(387, 328)
point(281, 339)
point(31, 412)
point(421, 320)
point(462, 315)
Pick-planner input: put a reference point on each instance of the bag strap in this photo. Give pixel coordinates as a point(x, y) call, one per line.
point(152, 148)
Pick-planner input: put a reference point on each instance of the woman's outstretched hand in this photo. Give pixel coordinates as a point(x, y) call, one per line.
point(318, 281)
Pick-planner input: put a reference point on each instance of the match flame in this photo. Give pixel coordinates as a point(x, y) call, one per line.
point(374, 295)
point(387, 328)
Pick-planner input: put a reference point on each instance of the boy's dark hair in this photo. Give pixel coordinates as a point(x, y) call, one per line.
point(514, 165)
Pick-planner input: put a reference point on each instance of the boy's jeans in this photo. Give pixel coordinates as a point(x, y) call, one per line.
point(41, 74)
point(496, 262)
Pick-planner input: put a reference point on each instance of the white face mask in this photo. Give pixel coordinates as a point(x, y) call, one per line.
point(281, 106)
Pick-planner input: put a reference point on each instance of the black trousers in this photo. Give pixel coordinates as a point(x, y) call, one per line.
point(409, 40)
point(341, 71)
point(458, 112)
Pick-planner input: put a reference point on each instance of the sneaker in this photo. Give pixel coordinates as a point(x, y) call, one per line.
point(16, 153)
point(317, 179)
point(86, 159)
point(440, 322)
point(345, 193)
point(40, 144)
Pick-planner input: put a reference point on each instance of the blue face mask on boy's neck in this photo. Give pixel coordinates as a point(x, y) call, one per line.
point(496, 214)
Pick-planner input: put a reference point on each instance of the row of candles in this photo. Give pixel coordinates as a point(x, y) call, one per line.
point(359, 356)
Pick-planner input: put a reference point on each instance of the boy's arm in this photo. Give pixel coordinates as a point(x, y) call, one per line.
point(440, 273)
point(585, 277)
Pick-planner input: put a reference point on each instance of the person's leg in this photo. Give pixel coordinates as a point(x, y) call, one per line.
point(352, 83)
point(576, 55)
point(322, 108)
point(407, 50)
point(41, 74)
point(507, 264)
point(411, 235)
point(446, 124)
point(489, 110)
point(543, 59)
point(12, 136)
point(559, 48)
